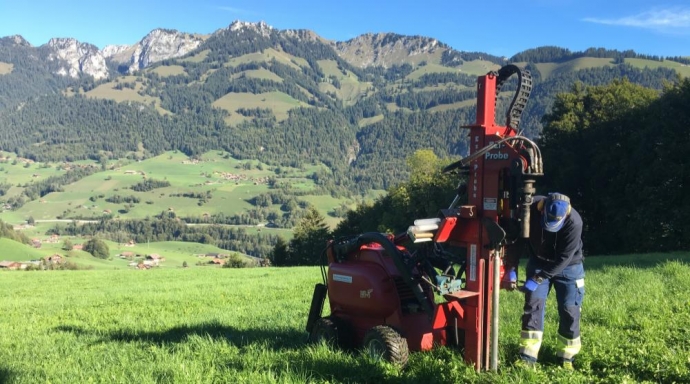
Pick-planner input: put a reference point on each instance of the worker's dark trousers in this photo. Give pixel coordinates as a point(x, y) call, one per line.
point(570, 290)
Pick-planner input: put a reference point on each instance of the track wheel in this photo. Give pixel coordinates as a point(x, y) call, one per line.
point(385, 343)
point(324, 330)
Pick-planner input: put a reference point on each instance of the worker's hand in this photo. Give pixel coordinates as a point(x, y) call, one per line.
point(530, 286)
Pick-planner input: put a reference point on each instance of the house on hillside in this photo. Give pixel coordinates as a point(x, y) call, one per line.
point(11, 265)
point(55, 258)
point(36, 243)
point(216, 255)
point(143, 266)
point(78, 247)
point(217, 262)
point(153, 259)
point(130, 243)
point(127, 255)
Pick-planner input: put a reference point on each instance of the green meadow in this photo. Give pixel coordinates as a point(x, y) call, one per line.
point(230, 183)
point(6, 68)
point(221, 325)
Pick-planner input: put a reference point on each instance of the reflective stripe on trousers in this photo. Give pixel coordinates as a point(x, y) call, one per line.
point(568, 348)
point(530, 342)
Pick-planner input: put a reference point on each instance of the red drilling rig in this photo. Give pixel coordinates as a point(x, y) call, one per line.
point(387, 298)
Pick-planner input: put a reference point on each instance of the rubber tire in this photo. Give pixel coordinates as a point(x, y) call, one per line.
point(324, 330)
point(385, 343)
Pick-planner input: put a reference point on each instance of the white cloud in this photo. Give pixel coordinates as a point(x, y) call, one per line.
point(660, 19)
point(237, 10)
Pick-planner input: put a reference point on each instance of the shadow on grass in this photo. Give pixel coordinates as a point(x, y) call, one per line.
point(271, 338)
point(650, 260)
point(5, 376)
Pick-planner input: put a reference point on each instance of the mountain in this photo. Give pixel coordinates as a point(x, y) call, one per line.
point(285, 97)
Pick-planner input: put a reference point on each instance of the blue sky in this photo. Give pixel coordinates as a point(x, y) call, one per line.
point(498, 27)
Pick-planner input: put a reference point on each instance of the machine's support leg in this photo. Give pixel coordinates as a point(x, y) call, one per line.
point(493, 363)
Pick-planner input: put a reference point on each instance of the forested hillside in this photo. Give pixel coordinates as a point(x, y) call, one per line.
point(282, 97)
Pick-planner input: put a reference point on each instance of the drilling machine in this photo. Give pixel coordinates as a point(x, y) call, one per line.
point(385, 297)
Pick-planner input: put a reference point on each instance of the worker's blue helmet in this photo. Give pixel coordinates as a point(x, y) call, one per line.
point(556, 209)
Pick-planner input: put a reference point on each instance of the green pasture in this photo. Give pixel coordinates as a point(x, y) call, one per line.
point(370, 120)
point(86, 198)
point(350, 87)
point(18, 171)
point(6, 68)
point(109, 92)
point(279, 102)
point(11, 250)
point(683, 69)
point(549, 69)
point(478, 67)
point(174, 252)
point(185, 176)
point(431, 68)
point(268, 55)
point(169, 70)
point(261, 73)
point(210, 325)
point(197, 57)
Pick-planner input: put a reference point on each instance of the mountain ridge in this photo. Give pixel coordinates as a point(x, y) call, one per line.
point(369, 49)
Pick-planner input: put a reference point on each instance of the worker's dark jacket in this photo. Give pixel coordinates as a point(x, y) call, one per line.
point(553, 251)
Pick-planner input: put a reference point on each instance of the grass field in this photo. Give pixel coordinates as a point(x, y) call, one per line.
point(268, 55)
point(109, 91)
point(211, 325)
point(6, 68)
point(683, 69)
point(87, 199)
point(280, 103)
point(185, 176)
point(169, 70)
point(175, 253)
point(351, 89)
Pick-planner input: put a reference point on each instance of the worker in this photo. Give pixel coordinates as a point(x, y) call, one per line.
point(555, 259)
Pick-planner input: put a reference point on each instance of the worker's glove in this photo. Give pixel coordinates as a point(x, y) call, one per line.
point(530, 286)
point(509, 281)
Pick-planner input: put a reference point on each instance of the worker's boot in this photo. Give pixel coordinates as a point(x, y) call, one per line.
point(567, 365)
point(526, 364)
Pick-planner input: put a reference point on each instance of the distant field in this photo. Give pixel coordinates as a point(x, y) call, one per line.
point(18, 171)
point(351, 89)
point(550, 69)
point(169, 70)
point(280, 103)
point(268, 55)
point(6, 68)
point(230, 184)
point(261, 73)
point(683, 69)
point(108, 91)
point(370, 120)
point(431, 68)
point(175, 253)
point(198, 57)
point(478, 67)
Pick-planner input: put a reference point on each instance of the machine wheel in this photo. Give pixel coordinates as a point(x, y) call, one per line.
point(324, 330)
point(385, 343)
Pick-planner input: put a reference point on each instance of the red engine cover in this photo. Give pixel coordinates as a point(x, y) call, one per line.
point(364, 285)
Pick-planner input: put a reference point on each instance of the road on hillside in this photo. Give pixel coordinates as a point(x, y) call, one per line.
point(65, 221)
